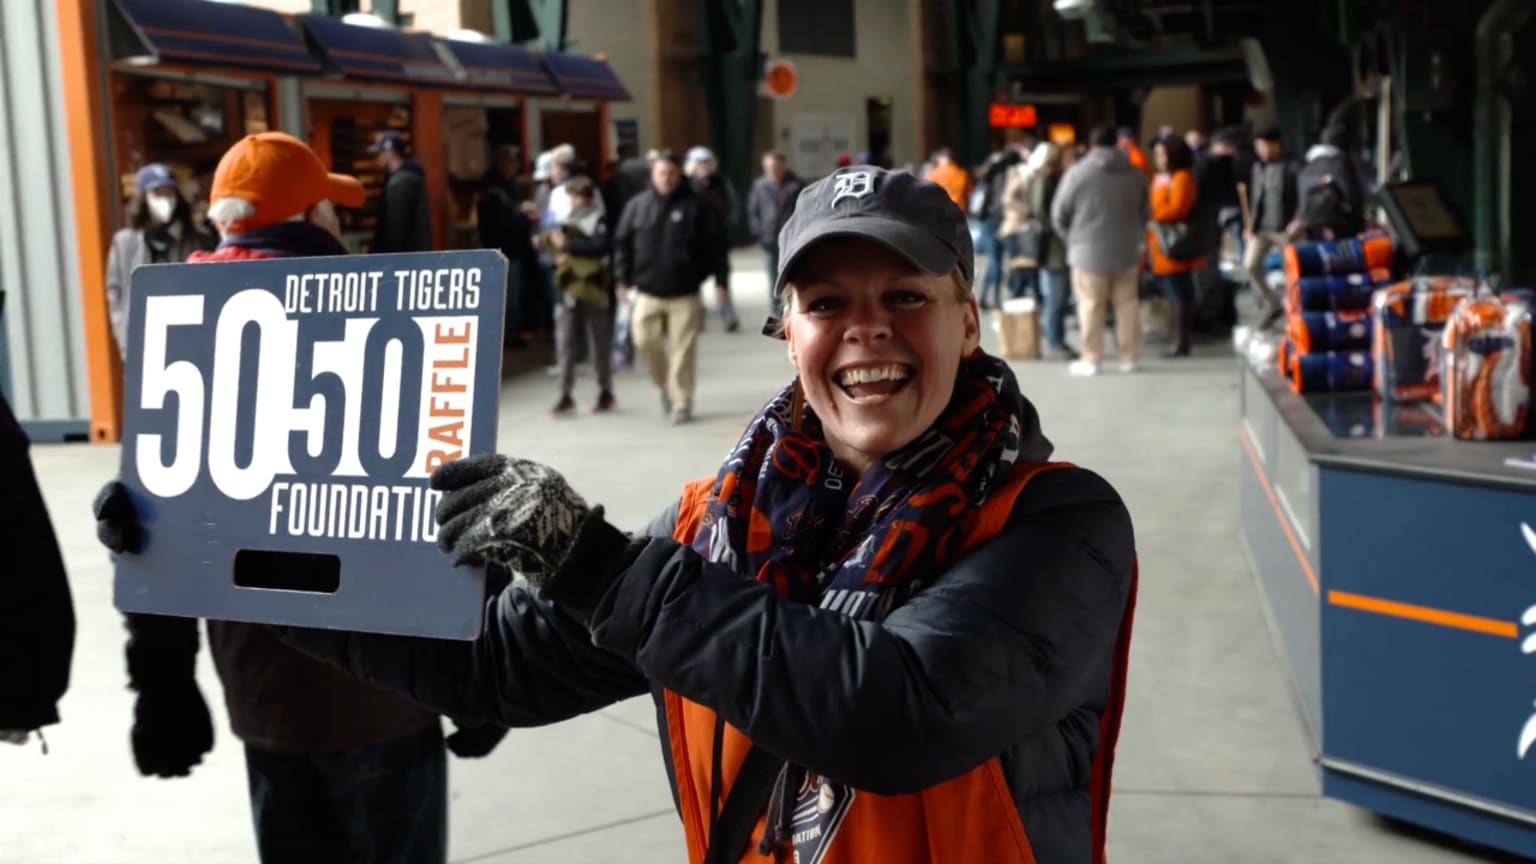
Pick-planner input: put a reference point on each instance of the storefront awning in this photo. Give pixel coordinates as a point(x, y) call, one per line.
point(378, 54)
point(501, 66)
point(146, 32)
point(586, 77)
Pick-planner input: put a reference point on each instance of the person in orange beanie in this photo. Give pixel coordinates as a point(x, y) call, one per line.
point(338, 770)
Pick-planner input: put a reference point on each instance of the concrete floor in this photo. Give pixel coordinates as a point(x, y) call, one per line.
point(1212, 763)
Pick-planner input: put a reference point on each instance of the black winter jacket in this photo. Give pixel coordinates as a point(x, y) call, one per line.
point(37, 617)
point(405, 220)
point(1008, 653)
point(667, 247)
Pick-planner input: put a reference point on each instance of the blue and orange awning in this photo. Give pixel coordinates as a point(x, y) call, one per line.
point(195, 32)
point(500, 66)
point(586, 78)
point(377, 53)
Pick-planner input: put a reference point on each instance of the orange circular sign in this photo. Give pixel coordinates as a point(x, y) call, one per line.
point(781, 79)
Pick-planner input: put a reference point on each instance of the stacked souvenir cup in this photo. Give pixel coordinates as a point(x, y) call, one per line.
point(1328, 287)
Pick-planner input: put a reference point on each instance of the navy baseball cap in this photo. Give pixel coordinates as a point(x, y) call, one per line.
point(154, 176)
point(912, 217)
point(389, 139)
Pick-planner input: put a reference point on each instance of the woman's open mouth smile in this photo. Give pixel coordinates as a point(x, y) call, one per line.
point(872, 384)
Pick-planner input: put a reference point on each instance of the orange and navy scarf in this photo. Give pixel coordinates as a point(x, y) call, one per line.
point(784, 512)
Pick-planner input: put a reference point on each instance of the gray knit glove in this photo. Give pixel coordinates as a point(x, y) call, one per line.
point(509, 511)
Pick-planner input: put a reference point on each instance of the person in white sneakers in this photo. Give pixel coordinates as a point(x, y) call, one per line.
point(1101, 209)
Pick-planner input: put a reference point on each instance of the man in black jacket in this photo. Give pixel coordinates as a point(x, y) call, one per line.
point(669, 240)
point(769, 206)
point(37, 619)
point(405, 221)
point(503, 225)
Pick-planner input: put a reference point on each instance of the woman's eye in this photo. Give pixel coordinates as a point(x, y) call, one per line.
point(907, 298)
point(823, 304)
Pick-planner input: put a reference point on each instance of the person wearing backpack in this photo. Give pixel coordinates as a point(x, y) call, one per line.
point(1330, 189)
point(1273, 199)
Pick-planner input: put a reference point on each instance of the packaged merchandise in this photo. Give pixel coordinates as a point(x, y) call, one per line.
point(1330, 331)
point(1407, 322)
point(1485, 368)
point(1340, 292)
point(1368, 251)
point(1331, 372)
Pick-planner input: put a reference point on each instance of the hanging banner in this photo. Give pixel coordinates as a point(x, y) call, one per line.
point(281, 420)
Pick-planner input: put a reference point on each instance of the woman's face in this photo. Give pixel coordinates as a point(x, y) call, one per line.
point(877, 344)
point(1160, 156)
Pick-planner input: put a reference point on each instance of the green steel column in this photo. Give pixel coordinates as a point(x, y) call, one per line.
point(1491, 134)
point(973, 29)
point(334, 8)
point(730, 65)
point(538, 24)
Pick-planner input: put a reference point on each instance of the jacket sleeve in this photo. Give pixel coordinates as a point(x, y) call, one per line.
point(532, 665)
point(117, 294)
point(1172, 200)
point(1002, 646)
point(754, 205)
point(37, 619)
point(1061, 207)
point(624, 244)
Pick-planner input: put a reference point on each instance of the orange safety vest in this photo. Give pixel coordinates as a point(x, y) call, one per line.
point(967, 819)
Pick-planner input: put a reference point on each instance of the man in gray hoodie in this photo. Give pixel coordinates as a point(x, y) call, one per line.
point(1101, 210)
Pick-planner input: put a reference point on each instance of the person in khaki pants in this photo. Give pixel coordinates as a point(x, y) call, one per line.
point(669, 240)
point(1101, 209)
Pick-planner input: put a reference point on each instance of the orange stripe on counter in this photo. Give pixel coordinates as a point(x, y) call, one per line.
point(1285, 522)
point(1426, 614)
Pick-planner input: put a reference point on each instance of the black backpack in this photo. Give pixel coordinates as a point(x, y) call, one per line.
point(1326, 207)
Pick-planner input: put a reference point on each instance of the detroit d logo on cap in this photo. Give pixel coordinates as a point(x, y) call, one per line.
point(854, 184)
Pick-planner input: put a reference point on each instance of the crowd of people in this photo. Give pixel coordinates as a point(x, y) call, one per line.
point(1091, 230)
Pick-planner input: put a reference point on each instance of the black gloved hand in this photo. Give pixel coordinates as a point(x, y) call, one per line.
point(171, 729)
point(117, 524)
point(502, 510)
point(473, 742)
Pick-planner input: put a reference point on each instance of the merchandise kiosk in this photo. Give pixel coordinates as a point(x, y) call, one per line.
point(1398, 570)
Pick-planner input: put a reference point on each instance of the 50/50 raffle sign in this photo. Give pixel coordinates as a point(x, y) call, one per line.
point(281, 420)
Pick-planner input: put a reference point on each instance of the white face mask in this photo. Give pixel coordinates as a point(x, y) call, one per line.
point(161, 209)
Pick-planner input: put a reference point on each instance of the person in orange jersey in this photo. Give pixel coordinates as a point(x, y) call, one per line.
point(1127, 141)
point(1173, 196)
point(888, 628)
point(956, 180)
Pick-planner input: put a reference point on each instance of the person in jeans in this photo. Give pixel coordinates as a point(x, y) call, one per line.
point(1273, 195)
point(669, 240)
point(581, 251)
point(769, 206)
point(1044, 183)
point(337, 770)
point(1101, 210)
point(1173, 200)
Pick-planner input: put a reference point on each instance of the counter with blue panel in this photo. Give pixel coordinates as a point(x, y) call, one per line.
point(1397, 567)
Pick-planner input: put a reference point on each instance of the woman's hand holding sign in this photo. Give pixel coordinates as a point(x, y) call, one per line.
point(521, 514)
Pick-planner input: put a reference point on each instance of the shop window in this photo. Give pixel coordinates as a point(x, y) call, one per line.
point(820, 27)
point(186, 125)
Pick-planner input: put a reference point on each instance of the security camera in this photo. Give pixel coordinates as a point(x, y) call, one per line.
point(1076, 10)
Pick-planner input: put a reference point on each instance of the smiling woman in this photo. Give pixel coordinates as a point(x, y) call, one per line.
point(886, 628)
